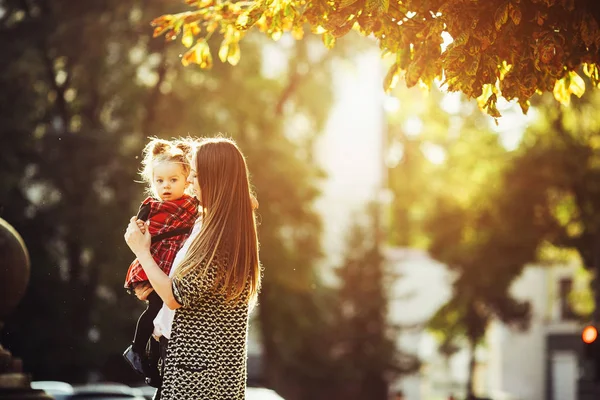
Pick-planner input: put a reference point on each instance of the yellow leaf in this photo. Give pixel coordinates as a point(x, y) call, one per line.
point(192, 56)
point(524, 105)
point(346, 3)
point(188, 36)
point(242, 21)
point(277, 34)
point(198, 54)
point(561, 94)
point(576, 84)
point(298, 32)
point(206, 60)
point(377, 6)
point(328, 40)
point(212, 26)
point(501, 16)
point(487, 91)
point(224, 50)
point(391, 78)
point(234, 53)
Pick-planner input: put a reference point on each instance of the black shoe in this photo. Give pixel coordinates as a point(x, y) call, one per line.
point(154, 381)
point(135, 360)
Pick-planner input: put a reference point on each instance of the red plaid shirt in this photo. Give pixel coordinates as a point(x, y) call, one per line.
point(164, 216)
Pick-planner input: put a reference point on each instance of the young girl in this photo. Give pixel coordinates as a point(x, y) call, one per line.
point(214, 284)
point(170, 213)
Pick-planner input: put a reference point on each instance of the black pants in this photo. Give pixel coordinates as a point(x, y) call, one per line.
point(145, 324)
point(163, 343)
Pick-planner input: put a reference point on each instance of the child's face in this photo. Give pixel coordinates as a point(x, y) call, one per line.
point(169, 180)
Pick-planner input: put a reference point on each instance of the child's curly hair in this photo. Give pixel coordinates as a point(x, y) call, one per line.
point(159, 150)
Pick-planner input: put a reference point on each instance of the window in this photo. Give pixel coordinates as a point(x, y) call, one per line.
point(564, 289)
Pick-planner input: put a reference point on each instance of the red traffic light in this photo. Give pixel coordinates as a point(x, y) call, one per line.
point(589, 334)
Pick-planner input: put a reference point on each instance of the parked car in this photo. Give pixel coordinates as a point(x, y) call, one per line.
point(117, 391)
point(252, 393)
point(147, 391)
point(96, 391)
point(259, 393)
point(57, 389)
point(106, 391)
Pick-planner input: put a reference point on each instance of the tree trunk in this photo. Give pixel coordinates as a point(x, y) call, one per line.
point(470, 383)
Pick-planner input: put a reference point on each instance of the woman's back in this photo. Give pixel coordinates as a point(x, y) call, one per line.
point(206, 356)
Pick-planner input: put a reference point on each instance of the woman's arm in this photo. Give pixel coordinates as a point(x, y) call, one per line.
point(139, 243)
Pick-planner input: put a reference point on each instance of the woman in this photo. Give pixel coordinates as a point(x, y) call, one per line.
point(212, 287)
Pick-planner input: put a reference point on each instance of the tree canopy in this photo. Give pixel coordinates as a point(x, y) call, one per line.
point(508, 48)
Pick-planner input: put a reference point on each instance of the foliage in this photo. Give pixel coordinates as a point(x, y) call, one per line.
point(509, 48)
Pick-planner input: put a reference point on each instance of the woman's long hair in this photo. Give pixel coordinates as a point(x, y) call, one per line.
point(228, 234)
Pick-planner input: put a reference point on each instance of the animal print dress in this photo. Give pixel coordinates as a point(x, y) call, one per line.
point(206, 356)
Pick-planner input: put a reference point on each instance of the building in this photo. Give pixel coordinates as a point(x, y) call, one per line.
point(542, 362)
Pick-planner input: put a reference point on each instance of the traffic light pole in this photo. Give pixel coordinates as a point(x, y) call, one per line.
point(588, 385)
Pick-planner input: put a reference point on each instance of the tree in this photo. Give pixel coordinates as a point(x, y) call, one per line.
point(365, 348)
point(467, 211)
point(558, 163)
point(511, 48)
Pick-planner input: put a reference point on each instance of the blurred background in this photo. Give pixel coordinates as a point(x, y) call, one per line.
point(413, 247)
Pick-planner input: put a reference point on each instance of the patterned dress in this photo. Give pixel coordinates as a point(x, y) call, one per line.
point(206, 356)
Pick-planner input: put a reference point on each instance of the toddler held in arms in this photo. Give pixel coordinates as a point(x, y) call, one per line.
point(170, 214)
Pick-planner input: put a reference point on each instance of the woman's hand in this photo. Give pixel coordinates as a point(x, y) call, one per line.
point(138, 241)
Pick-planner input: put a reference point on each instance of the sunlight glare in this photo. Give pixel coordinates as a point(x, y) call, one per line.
point(413, 126)
point(391, 104)
point(394, 155)
point(434, 153)
point(447, 40)
point(512, 124)
point(274, 60)
point(451, 102)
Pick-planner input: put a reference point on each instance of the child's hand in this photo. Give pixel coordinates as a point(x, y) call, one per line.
point(142, 291)
point(142, 225)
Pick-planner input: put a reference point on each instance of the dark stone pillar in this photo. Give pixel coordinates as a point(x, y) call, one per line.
point(14, 276)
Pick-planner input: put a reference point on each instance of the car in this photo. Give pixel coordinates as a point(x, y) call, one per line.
point(147, 391)
point(106, 391)
point(96, 391)
point(260, 393)
point(252, 393)
point(57, 389)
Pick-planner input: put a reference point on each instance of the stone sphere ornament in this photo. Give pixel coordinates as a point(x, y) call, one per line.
point(14, 268)
point(14, 276)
